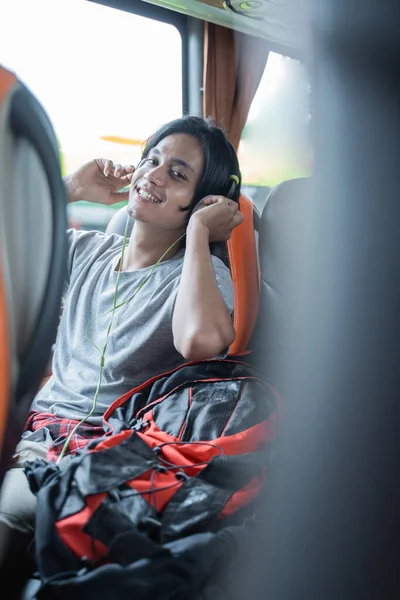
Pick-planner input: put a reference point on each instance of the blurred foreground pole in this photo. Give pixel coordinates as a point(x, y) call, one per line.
point(333, 511)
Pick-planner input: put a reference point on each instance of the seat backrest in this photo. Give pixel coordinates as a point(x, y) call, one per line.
point(279, 244)
point(240, 254)
point(33, 253)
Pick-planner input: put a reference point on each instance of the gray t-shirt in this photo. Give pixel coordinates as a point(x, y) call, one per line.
point(140, 344)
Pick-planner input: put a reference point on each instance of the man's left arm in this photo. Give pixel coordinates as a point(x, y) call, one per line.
point(202, 324)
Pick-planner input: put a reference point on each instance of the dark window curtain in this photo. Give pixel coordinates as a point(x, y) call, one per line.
point(233, 66)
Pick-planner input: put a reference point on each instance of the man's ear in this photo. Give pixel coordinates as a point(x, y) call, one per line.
point(189, 207)
point(203, 204)
point(198, 206)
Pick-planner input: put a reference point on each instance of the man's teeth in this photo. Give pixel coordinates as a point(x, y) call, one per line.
point(148, 196)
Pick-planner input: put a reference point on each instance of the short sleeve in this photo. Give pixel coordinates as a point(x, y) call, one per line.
point(80, 245)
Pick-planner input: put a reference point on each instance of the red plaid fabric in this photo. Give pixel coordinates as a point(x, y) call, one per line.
point(60, 429)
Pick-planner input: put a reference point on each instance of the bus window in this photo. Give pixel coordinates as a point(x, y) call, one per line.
point(275, 143)
point(106, 78)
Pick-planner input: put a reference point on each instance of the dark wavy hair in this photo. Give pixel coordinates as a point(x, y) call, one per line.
point(220, 159)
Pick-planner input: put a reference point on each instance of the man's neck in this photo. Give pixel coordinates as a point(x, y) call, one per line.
point(147, 246)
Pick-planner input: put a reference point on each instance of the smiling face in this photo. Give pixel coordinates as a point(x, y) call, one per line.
point(165, 182)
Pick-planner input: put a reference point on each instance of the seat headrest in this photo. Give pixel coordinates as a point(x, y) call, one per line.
point(279, 229)
point(280, 244)
point(240, 254)
point(117, 223)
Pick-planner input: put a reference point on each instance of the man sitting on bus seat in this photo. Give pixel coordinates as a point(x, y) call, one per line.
point(178, 311)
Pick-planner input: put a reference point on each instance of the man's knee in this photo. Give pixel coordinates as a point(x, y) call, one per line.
point(17, 502)
point(17, 513)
